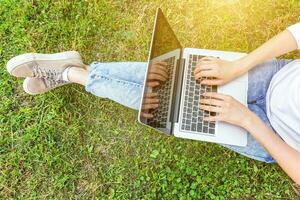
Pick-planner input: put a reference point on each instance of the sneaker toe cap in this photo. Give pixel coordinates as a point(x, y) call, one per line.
point(34, 86)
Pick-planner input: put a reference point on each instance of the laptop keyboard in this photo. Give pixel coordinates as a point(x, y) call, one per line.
point(164, 93)
point(192, 117)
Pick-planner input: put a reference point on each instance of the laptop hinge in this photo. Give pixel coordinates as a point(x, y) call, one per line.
point(177, 91)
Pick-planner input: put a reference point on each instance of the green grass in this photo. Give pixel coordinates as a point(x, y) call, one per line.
point(68, 144)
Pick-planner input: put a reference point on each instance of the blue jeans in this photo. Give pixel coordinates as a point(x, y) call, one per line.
point(123, 82)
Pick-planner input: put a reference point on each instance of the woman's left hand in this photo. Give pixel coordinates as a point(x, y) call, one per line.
point(150, 102)
point(227, 109)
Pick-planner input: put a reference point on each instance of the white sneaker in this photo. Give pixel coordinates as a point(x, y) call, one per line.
point(49, 66)
point(35, 86)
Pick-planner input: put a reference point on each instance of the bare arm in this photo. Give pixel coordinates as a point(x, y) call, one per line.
point(287, 157)
point(281, 44)
point(223, 71)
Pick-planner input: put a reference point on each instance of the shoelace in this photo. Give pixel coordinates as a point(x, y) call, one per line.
point(50, 83)
point(52, 77)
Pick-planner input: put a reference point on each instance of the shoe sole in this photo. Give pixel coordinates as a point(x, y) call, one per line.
point(30, 57)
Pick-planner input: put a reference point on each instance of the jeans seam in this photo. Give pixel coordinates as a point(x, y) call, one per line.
point(120, 81)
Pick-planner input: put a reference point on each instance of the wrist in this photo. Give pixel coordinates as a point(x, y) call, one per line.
point(243, 65)
point(249, 120)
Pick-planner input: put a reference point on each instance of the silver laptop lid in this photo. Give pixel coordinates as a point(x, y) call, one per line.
point(165, 51)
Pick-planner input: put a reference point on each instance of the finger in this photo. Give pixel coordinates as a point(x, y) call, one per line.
point(149, 106)
point(162, 63)
point(210, 108)
point(204, 66)
point(213, 118)
point(216, 95)
point(205, 73)
point(208, 58)
point(153, 84)
point(151, 101)
point(212, 82)
point(147, 115)
point(160, 66)
point(156, 77)
point(159, 72)
point(151, 95)
point(212, 102)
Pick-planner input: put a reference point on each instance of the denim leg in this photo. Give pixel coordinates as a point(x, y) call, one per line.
point(121, 82)
point(260, 78)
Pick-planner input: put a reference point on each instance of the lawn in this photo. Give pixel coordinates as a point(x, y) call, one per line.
point(68, 144)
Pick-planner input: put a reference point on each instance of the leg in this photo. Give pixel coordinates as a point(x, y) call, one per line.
point(78, 75)
point(121, 82)
point(128, 71)
point(260, 78)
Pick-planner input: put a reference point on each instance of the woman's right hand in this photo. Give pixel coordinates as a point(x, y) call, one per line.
point(214, 71)
point(158, 73)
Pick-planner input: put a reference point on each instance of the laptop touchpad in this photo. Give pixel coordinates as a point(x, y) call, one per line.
point(236, 89)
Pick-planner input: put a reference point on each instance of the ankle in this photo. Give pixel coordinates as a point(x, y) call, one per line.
point(77, 75)
point(65, 74)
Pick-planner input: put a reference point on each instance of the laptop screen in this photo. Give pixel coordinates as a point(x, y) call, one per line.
point(165, 50)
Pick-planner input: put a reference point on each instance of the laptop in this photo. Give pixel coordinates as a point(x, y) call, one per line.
point(180, 95)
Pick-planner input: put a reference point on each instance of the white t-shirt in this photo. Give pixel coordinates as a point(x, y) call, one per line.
point(283, 99)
